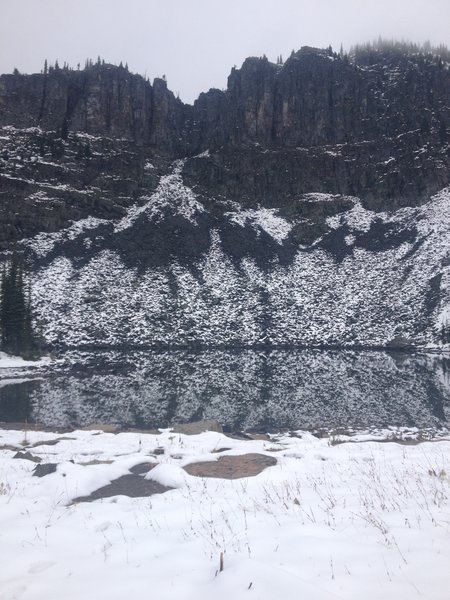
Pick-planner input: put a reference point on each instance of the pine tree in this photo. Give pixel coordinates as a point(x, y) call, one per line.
point(15, 311)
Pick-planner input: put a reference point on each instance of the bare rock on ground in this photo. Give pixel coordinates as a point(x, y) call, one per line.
point(142, 468)
point(133, 486)
point(43, 470)
point(232, 467)
point(27, 456)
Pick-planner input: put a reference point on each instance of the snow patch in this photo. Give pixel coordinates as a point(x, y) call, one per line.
point(264, 218)
point(43, 243)
point(170, 194)
point(8, 361)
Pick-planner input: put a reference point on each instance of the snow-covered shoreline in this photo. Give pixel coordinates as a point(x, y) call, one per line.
point(16, 370)
point(330, 520)
point(8, 361)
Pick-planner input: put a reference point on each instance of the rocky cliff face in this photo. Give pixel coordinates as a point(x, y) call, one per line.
point(101, 100)
point(379, 129)
point(252, 217)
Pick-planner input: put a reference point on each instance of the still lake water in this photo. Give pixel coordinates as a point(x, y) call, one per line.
point(244, 390)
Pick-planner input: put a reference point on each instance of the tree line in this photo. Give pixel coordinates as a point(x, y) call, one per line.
point(16, 326)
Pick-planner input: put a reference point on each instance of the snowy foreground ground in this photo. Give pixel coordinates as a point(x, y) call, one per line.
point(362, 519)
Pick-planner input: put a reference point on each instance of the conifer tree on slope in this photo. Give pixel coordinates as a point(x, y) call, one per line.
point(15, 311)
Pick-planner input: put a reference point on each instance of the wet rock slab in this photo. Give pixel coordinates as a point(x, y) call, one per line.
point(143, 468)
point(232, 467)
point(27, 456)
point(45, 469)
point(133, 486)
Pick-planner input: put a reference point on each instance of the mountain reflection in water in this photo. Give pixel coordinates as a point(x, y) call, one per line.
point(243, 390)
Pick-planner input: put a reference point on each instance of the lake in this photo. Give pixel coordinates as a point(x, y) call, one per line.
point(245, 390)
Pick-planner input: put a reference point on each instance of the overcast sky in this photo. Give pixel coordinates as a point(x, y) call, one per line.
point(196, 42)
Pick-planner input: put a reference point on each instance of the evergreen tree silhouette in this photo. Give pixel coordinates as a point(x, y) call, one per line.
point(15, 311)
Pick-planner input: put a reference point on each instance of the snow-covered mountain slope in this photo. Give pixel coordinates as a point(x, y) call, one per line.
point(306, 204)
point(182, 269)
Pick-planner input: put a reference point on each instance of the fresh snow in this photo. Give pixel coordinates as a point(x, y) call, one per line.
point(8, 361)
point(367, 298)
point(15, 370)
point(310, 297)
point(171, 194)
point(43, 243)
point(265, 218)
point(359, 519)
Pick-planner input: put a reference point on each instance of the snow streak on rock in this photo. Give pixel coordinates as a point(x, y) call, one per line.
point(264, 218)
point(171, 194)
point(43, 243)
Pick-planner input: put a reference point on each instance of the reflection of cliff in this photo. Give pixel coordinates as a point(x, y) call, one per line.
point(443, 374)
point(15, 400)
point(246, 390)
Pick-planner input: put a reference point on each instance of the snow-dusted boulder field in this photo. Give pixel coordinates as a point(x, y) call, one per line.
point(179, 270)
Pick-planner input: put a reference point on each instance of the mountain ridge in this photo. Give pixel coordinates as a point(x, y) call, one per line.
point(305, 205)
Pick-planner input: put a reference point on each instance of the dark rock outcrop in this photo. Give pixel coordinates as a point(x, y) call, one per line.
point(101, 100)
point(376, 127)
point(44, 469)
point(379, 130)
point(133, 486)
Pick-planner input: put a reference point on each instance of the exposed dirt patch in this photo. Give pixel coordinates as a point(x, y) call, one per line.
point(133, 486)
point(246, 435)
point(103, 427)
point(197, 427)
point(232, 467)
point(259, 436)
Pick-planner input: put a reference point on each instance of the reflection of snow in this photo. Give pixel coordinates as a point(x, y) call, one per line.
point(245, 389)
